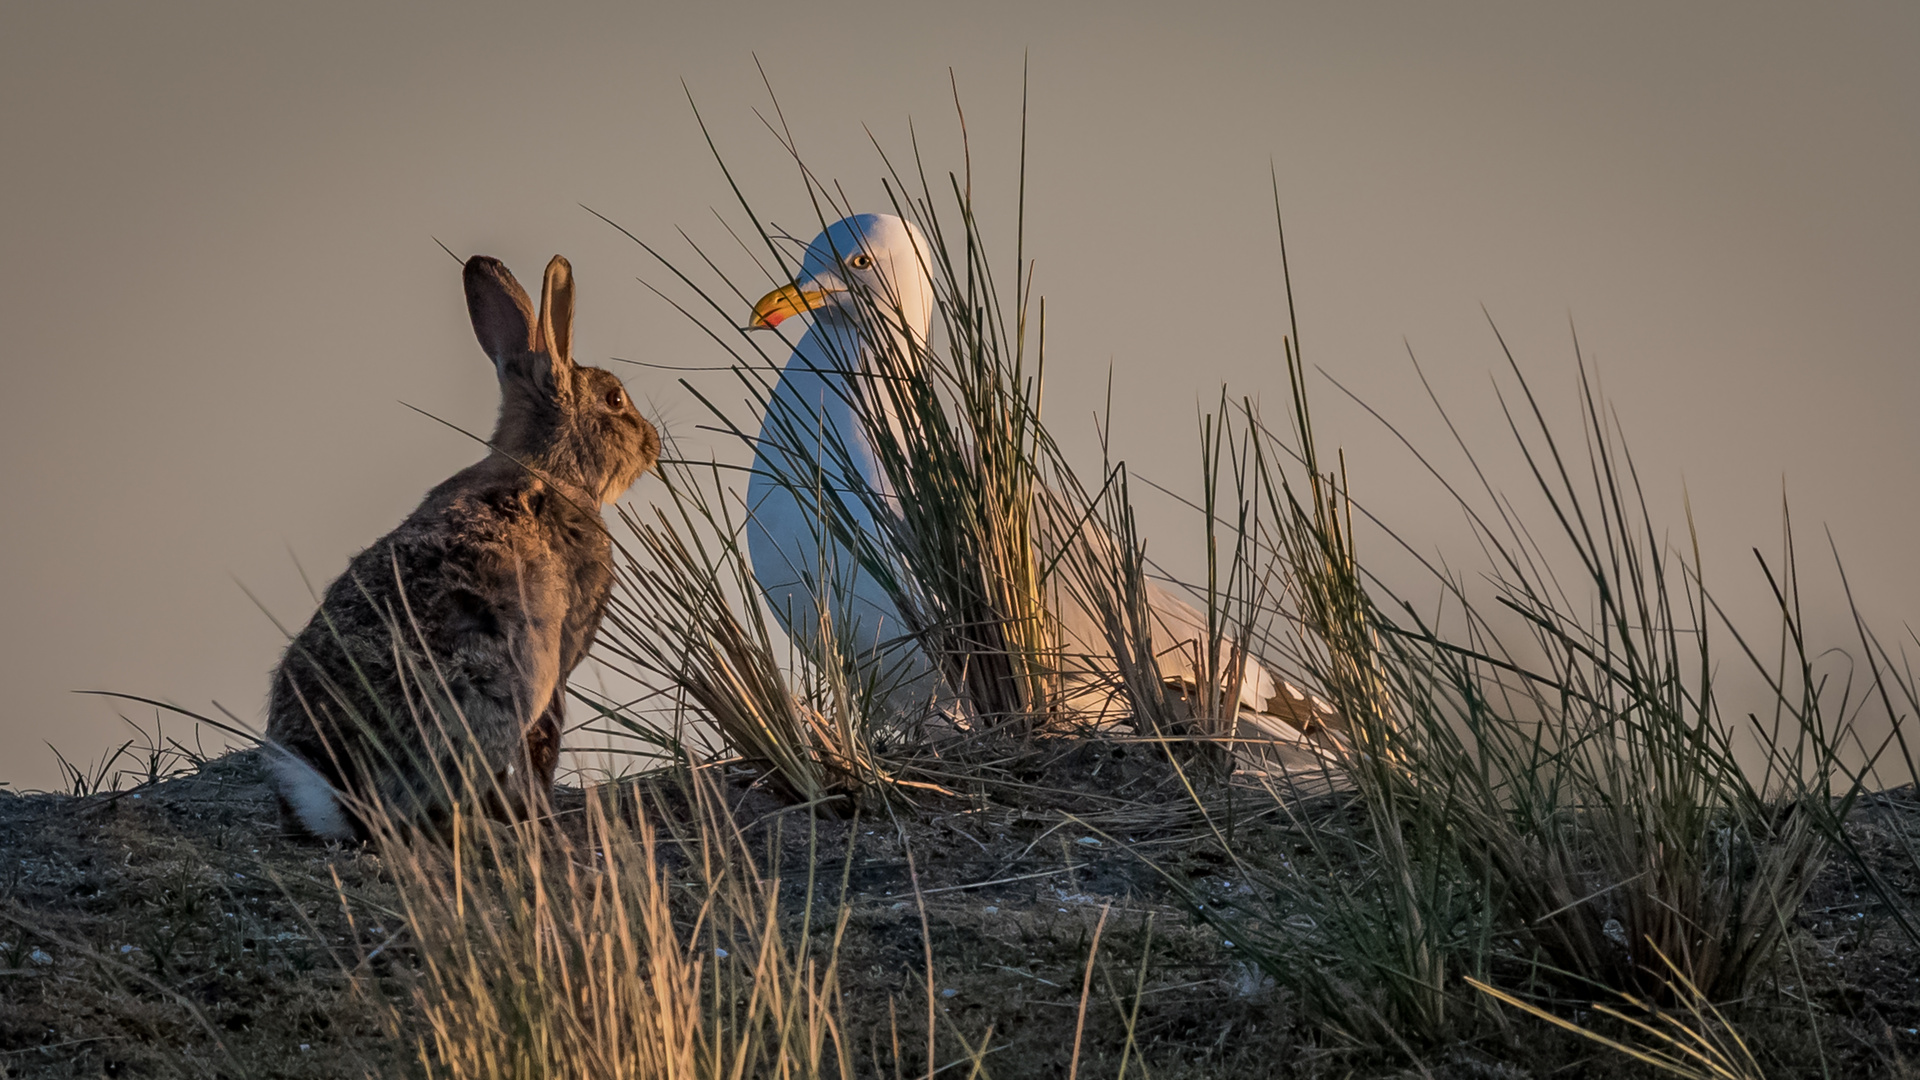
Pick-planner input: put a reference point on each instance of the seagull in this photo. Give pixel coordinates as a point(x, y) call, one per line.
point(867, 275)
point(822, 445)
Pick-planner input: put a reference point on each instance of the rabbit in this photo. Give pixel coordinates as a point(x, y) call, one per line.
point(435, 669)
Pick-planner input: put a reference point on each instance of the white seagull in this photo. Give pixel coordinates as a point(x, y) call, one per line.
point(864, 275)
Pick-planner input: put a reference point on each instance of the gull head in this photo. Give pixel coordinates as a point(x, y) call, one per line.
point(863, 266)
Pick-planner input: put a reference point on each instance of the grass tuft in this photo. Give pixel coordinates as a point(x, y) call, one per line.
point(685, 618)
point(569, 948)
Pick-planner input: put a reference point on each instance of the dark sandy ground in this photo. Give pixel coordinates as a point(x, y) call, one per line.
point(176, 930)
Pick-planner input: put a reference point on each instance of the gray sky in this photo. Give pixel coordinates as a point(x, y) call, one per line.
point(218, 282)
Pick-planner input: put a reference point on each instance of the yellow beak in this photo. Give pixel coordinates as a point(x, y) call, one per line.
point(782, 302)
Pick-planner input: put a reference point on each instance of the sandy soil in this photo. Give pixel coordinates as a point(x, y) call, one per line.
point(176, 930)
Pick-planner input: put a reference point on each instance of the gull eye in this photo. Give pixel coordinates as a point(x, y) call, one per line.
point(616, 399)
point(861, 261)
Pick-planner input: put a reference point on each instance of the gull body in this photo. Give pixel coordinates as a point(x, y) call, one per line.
point(787, 537)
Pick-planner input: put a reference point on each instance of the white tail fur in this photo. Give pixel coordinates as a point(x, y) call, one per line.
point(313, 800)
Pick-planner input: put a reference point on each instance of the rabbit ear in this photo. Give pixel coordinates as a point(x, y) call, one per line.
point(556, 311)
point(502, 314)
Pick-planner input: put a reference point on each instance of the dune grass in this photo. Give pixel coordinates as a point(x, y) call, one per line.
point(954, 422)
point(1566, 814)
point(565, 949)
point(1692, 1040)
point(686, 621)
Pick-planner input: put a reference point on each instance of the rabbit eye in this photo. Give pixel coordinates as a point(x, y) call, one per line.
point(861, 261)
point(616, 398)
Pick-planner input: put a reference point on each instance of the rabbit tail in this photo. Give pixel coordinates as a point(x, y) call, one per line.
point(313, 801)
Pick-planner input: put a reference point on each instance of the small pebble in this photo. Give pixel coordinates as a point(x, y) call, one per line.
point(948, 993)
point(1090, 841)
point(991, 910)
point(40, 957)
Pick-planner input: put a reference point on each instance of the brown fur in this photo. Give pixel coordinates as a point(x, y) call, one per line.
point(437, 664)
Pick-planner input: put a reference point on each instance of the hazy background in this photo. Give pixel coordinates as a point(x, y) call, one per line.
point(217, 282)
